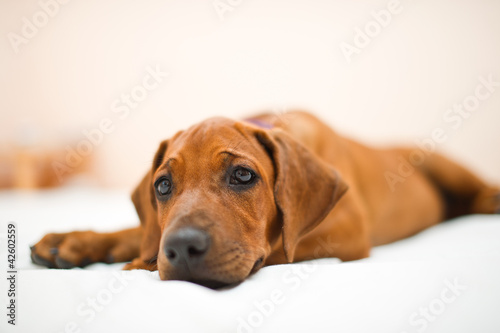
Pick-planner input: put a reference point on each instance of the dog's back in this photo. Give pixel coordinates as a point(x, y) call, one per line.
point(400, 191)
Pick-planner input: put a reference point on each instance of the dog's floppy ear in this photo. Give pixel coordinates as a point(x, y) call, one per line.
point(144, 200)
point(305, 190)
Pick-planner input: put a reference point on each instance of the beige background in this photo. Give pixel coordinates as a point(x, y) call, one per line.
point(275, 55)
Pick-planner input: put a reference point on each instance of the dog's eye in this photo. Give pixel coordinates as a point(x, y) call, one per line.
point(242, 176)
point(163, 186)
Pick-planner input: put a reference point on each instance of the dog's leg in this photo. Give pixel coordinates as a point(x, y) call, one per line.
point(81, 248)
point(139, 263)
point(343, 235)
point(342, 241)
point(464, 192)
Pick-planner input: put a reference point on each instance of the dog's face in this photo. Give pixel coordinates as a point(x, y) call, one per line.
point(215, 205)
point(214, 209)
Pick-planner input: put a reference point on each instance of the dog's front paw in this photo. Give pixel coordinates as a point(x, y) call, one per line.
point(72, 249)
point(138, 263)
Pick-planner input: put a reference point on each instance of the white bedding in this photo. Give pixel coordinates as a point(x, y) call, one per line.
point(445, 279)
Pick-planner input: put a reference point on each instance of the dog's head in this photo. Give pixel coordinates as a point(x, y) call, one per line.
point(222, 193)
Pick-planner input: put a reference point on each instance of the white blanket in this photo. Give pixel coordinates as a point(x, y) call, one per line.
point(446, 279)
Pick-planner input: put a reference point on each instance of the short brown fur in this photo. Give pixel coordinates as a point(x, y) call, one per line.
point(318, 194)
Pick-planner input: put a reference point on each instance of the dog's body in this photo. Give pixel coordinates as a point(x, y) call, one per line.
point(225, 198)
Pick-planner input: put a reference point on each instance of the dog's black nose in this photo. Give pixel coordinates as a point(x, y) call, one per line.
point(186, 246)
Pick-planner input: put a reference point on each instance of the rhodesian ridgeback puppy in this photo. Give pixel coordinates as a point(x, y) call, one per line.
point(224, 198)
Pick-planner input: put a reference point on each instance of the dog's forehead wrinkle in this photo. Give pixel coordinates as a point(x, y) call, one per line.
point(170, 161)
point(202, 149)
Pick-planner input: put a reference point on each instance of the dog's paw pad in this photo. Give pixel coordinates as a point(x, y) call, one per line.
point(61, 263)
point(36, 259)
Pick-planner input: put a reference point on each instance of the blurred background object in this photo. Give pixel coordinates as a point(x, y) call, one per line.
point(93, 86)
point(29, 161)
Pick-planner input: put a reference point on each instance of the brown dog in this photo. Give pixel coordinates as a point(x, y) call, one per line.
point(224, 198)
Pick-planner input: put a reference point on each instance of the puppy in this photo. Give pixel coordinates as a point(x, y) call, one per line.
point(224, 198)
